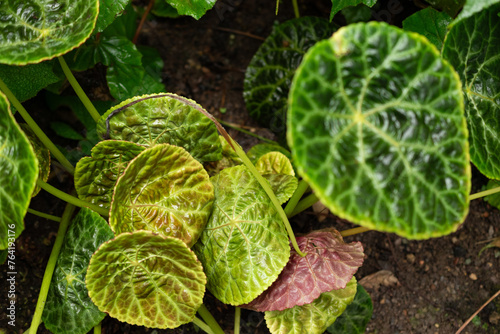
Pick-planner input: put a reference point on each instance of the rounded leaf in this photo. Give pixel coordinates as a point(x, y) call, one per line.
point(35, 30)
point(274, 163)
point(165, 190)
point(377, 129)
point(145, 279)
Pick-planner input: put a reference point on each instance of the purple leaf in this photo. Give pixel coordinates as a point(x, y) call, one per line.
point(329, 265)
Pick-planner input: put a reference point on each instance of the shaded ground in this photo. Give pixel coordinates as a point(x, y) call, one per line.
point(441, 281)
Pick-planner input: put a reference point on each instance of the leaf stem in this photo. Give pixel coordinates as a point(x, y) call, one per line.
point(304, 204)
point(97, 328)
point(297, 195)
point(484, 193)
point(203, 326)
point(36, 129)
point(78, 90)
point(209, 319)
point(71, 199)
point(296, 8)
point(237, 318)
point(353, 231)
point(49, 270)
point(44, 215)
point(143, 19)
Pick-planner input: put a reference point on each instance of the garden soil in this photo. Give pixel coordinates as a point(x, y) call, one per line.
point(429, 286)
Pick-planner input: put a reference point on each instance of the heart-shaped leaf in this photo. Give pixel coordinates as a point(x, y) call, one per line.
point(166, 118)
point(194, 8)
point(36, 30)
point(313, 318)
point(164, 190)
point(42, 155)
point(19, 167)
point(329, 265)
point(96, 176)
point(245, 245)
point(430, 23)
point(148, 280)
point(68, 309)
point(356, 316)
point(374, 113)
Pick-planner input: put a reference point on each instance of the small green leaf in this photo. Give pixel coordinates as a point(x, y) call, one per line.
point(18, 174)
point(124, 25)
point(473, 7)
point(108, 11)
point(338, 5)
point(163, 9)
point(313, 318)
point(245, 245)
point(145, 279)
point(194, 8)
point(374, 113)
point(95, 177)
point(493, 199)
point(165, 118)
point(35, 30)
point(430, 23)
point(68, 309)
point(356, 316)
point(42, 155)
point(274, 163)
point(164, 190)
point(451, 7)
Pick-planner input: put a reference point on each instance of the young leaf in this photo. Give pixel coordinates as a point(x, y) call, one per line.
point(245, 245)
point(95, 177)
point(430, 23)
point(473, 7)
point(42, 155)
point(270, 72)
point(35, 30)
point(338, 5)
point(274, 163)
point(108, 11)
point(356, 316)
point(329, 265)
point(194, 8)
point(145, 279)
point(156, 119)
point(313, 318)
point(374, 113)
point(473, 47)
point(18, 163)
point(259, 150)
point(68, 309)
point(164, 190)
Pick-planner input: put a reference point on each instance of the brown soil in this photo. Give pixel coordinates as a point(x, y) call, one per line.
point(441, 282)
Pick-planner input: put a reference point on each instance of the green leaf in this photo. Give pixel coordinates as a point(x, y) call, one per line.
point(194, 8)
point(42, 155)
point(356, 316)
point(451, 7)
point(260, 149)
point(229, 159)
point(124, 25)
point(26, 81)
point(163, 9)
point(68, 309)
point(274, 163)
point(65, 130)
point(313, 318)
point(473, 7)
point(283, 185)
point(164, 190)
point(270, 72)
point(96, 176)
point(164, 118)
point(430, 23)
point(338, 5)
point(374, 113)
point(108, 11)
point(145, 279)
point(35, 30)
point(493, 199)
point(473, 48)
point(19, 171)
point(359, 13)
point(245, 245)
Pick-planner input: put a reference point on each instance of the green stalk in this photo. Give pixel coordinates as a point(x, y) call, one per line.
point(353, 231)
point(49, 270)
point(232, 126)
point(304, 204)
point(36, 129)
point(78, 90)
point(203, 325)
point(209, 319)
point(277, 6)
point(97, 328)
point(484, 193)
point(71, 199)
point(296, 8)
point(297, 195)
point(44, 215)
point(237, 318)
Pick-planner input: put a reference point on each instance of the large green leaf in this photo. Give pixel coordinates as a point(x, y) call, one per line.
point(245, 245)
point(270, 72)
point(36, 30)
point(194, 8)
point(338, 5)
point(68, 309)
point(377, 128)
point(166, 118)
point(473, 48)
point(18, 174)
point(108, 11)
point(145, 279)
point(42, 155)
point(164, 190)
point(473, 7)
point(356, 316)
point(95, 176)
point(313, 318)
point(430, 23)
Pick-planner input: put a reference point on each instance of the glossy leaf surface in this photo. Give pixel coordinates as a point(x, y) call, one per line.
point(194, 8)
point(313, 318)
point(18, 174)
point(156, 119)
point(274, 163)
point(96, 176)
point(68, 309)
point(270, 72)
point(338, 5)
point(245, 245)
point(108, 11)
point(473, 48)
point(374, 113)
point(36, 30)
point(329, 265)
point(145, 279)
point(42, 155)
point(163, 190)
point(283, 185)
point(430, 23)
point(356, 316)
point(259, 150)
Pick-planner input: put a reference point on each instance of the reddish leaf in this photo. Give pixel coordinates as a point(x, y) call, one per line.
point(329, 265)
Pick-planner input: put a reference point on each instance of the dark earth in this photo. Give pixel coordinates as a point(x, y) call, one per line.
point(437, 283)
